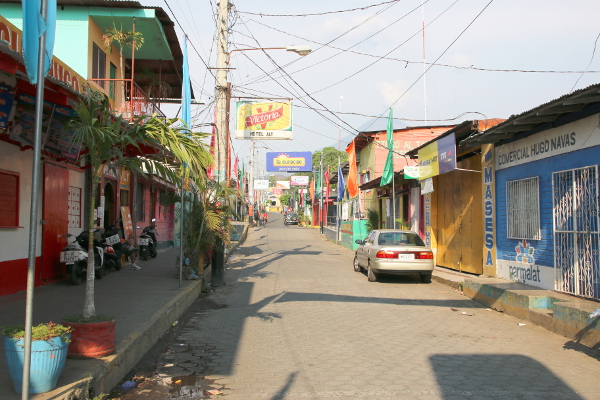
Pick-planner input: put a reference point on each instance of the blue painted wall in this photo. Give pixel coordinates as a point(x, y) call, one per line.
point(72, 27)
point(544, 251)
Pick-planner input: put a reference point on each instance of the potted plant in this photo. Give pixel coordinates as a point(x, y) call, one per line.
point(49, 343)
point(91, 337)
point(108, 142)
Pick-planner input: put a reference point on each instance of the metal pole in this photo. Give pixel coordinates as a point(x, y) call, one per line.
point(394, 197)
point(181, 232)
point(221, 92)
point(321, 193)
point(33, 212)
point(131, 92)
point(251, 180)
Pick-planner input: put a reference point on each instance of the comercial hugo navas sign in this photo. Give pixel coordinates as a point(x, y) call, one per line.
point(289, 162)
point(264, 120)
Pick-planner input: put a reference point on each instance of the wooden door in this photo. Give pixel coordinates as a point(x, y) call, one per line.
point(55, 209)
point(459, 218)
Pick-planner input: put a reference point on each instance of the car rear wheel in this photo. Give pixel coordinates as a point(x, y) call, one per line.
point(371, 276)
point(426, 278)
point(357, 268)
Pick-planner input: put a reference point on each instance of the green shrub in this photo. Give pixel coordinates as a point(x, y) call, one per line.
point(40, 332)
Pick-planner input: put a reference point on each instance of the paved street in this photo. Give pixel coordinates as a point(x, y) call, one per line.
point(296, 322)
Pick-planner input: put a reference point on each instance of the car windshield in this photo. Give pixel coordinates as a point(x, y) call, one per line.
point(291, 215)
point(400, 239)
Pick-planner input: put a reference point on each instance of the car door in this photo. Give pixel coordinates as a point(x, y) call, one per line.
point(360, 252)
point(369, 247)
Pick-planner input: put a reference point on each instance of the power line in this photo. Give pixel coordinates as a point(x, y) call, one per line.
point(407, 62)
point(389, 52)
point(322, 13)
point(440, 56)
point(365, 39)
point(329, 42)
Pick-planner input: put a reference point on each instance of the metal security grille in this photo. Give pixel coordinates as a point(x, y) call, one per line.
point(523, 209)
point(576, 235)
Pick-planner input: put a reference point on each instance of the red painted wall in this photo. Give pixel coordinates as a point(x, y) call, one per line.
point(13, 275)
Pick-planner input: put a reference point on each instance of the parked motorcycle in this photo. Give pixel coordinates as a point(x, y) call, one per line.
point(76, 258)
point(147, 241)
point(113, 248)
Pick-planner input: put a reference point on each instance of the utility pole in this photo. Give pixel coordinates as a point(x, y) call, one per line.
point(221, 92)
point(321, 192)
point(251, 180)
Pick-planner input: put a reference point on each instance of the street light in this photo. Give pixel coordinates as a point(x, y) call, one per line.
point(223, 118)
point(301, 50)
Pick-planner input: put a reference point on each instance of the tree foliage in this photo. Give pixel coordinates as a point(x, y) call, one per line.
point(285, 199)
point(113, 142)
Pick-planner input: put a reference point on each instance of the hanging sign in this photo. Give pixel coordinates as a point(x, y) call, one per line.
point(298, 180)
point(438, 157)
point(411, 172)
point(289, 162)
point(283, 184)
point(264, 120)
point(261, 184)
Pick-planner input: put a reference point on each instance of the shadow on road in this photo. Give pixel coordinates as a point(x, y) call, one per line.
point(515, 377)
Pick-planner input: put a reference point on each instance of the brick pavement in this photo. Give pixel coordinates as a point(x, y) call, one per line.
point(295, 321)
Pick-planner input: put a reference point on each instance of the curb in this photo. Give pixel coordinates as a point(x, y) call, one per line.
point(556, 312)
point(107, 374)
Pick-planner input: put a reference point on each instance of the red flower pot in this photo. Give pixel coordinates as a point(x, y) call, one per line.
point(92, 339)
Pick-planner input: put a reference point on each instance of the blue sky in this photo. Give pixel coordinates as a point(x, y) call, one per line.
point(548, 35)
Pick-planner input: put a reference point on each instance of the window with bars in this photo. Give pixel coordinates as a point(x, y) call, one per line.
point(98, 65)
point(523, 209)
point(9, 199)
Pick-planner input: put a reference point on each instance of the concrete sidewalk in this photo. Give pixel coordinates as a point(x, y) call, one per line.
point(560, 313)
point(145, 304)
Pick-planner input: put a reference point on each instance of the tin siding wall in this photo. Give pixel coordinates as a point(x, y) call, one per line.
point(544, 251)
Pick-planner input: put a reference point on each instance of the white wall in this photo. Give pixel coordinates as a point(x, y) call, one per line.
point(77, 179)
point(14, 243)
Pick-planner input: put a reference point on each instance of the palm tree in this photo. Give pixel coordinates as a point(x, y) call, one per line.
point(107, 140)
point(123, 38)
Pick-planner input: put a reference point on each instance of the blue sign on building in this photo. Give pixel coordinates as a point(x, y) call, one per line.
point(289, 162)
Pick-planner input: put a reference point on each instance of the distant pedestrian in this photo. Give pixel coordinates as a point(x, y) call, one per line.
point(265, 217)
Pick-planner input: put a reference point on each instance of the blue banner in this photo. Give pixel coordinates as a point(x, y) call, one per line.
point(289, 162)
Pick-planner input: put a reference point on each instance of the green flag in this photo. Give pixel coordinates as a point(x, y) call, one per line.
point(388, 170)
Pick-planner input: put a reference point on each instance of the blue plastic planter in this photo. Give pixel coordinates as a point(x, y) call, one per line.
point(47, 361)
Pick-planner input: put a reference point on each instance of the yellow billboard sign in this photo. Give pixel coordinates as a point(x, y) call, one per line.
point(264, 120)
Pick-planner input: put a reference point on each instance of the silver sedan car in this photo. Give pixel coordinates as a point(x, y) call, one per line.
point(392, 251)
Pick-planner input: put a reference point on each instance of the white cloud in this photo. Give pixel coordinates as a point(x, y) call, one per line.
point(391, 91)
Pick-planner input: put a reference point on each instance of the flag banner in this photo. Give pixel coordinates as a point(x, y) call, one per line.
point(388, 170)
point(352, 174)
point(186, 98)
point(312, 191)
point(300, 161)
point(327, 189)
point(34, 26)
point(341, 186)
point(271, 120)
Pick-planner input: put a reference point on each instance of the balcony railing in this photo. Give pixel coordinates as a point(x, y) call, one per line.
point(136, 103)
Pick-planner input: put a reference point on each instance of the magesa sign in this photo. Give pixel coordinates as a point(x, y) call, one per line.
point(289, 162)
point(438, 157)
point(263, 120)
